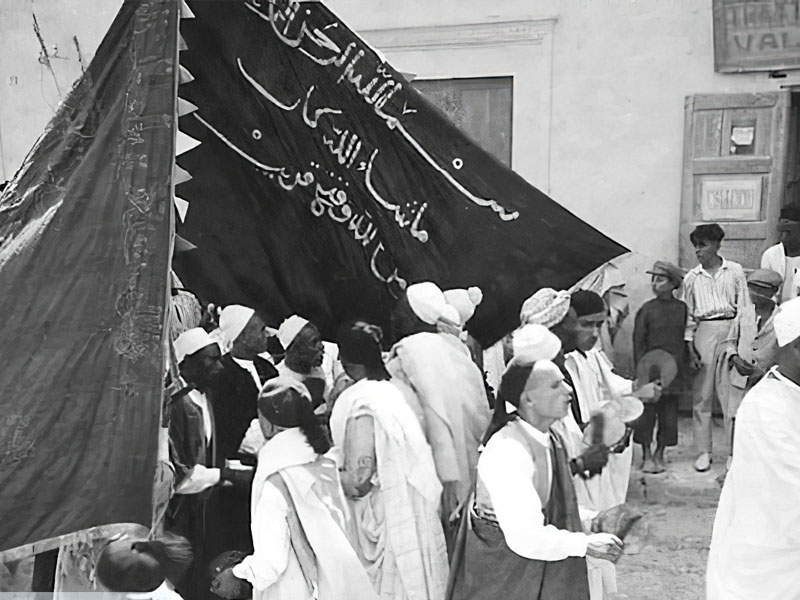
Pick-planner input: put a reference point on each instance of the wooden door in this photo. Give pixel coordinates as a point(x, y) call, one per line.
point(481, 108)
point(735, 149)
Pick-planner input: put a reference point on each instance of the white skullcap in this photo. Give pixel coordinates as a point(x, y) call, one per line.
point(191, 341)
point(464, 301)
point(232, 321)
point(450, 315)
point(533, 343)
point(787, 322)
point(289, 330)
point(427, 301)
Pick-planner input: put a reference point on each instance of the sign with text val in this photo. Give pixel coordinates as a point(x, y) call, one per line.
point(756, 35)
point(323, 184)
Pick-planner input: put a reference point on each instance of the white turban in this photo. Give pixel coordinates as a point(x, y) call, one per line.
point(427, 301)
point(191, 341)
point(464, 301)
point(533, 343)
point(289, 330)
point(787, 322)
point(232, 321)
point(546, 307)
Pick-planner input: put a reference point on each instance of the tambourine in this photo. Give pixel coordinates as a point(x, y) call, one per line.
point(616, 416)
point(656, 365)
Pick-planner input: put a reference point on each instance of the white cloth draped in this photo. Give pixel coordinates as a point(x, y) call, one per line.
point(595, 386)
point(755, 547)
point(450, 388)
point(400, 535)
point(274, 569)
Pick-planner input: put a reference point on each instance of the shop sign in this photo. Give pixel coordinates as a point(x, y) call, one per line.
point(752, 35)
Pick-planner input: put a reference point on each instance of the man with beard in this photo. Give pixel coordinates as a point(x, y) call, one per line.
point(192, 442)
point(304, 355)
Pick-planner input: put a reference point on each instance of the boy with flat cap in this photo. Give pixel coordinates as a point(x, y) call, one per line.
point(660, 325)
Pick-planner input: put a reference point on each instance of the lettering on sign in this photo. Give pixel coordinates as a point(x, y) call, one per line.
point(756, 35)
point(731, 199)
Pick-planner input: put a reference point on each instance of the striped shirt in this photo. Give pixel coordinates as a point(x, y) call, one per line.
point(714, 297)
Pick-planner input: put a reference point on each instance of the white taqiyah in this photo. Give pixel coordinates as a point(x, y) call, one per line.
point(232, 321)
point(289, 330)
point(427, 301)
point(533, 343)
point(464, 301)
point(191, 341)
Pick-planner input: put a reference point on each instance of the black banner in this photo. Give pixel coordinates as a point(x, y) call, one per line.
point(324, 183)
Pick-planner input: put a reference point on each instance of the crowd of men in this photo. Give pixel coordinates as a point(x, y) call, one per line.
point(312, 469)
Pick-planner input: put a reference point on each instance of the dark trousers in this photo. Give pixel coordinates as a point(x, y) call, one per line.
point(665, 413)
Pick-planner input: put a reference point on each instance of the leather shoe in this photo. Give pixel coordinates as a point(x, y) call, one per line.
point(703, 462)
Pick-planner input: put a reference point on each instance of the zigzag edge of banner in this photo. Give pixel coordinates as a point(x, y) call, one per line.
point(183, 143)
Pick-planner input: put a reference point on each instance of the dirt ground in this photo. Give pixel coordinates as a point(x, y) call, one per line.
point(667, 551)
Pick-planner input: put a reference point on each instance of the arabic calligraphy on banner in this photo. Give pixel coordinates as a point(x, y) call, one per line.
point(330, 193)
point(322, 183)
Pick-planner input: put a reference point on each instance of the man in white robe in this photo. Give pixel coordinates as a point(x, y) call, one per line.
point(596, 387)
point(449, 385)
point(755, 547)
point(388, 474)
point(300, 524)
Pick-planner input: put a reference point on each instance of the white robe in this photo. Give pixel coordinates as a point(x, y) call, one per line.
point(274, 569)
point(595, 386)
point(400, 535)
point(755, 547)
point(450, 388)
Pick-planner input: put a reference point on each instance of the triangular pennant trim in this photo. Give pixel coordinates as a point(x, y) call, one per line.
point(185, 143)
point(180, 175)
point(182, 44)
point(185, 107)
point(186, 12)
point(181, 206)
point(185, 75)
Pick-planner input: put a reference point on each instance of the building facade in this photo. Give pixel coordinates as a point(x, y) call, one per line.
point(618, 109)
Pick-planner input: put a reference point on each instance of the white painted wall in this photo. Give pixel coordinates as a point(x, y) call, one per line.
point(598, 101)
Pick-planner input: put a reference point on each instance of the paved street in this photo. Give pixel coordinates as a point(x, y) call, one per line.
point(666, 552)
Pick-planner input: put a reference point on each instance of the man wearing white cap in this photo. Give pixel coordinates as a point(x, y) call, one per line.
point(755, 547)
point(465, 301)
point(448, 384)
point(246, 334)
point(192, 449)
point(304, 356)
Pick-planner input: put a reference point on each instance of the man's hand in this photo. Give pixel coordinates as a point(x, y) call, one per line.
point(227, 585)
point(649, 393)
point(742, 366)
point(240, 478)
point(605, 546)
point(450, 498)
point(592, 461)
point(695, 361)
